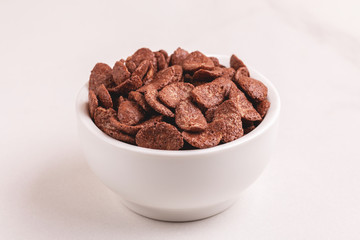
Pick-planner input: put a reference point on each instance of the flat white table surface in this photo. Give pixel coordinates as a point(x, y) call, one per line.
point(309, 49)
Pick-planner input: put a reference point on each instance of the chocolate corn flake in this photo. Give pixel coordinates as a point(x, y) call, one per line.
point(196, 60)
point(140, 55)
point(215, 61)
point(209, 114)
point(246, 109)
point(163, 78)
point(139, 98)
point(235, 62)
point(229, 114)
point(189, 78)
point(102, 118)
point(255, 89)
point(210, 137)
point(130, 113)
point(226, 108)
point(151, 97)
point(188, 117)
point(173, 93)
point(159, 135)
point(142, 69)
point(161, 60)
point(149, 75)
point(242, 71)
point(153, 119)
point(120, 72)
point(211, 94)
point(130, 65)
point(262, 107)
point(128, 129)
point(207, 75)
point(178, 71)
point(166, 55)
point(101, 74)
point(104, 96)
point(128, 85)
point(132, 130)
point(178, 57)
point(93, 103)
point(228, 73)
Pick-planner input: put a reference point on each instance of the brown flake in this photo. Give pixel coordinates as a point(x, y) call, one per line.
point(246, 109)
point(255, 89)
point(173, 93)
point(130, 65)
point(153, 119)
point(93, 103)
point(104, 96)
point(120, 72)
point(195, 61)
point(130, 113)
point(140, 55)
point(101, 74)
point(132, 130)
point(164, 77)
point(128, 129)
point(188, 117)
point(151, 97)
point(235, 62)
point(140, 99)
point(209, 114)
point(262, 107)
point(229, 114)
point(178, 71)
point(178, 57)
point(161, 61)
point(102, 120)
point(142, 69)
point(210, 137)
point(215, 61)
point(228, 73)
point(159, 135)
point(149, 75)
point(242, 71)
point(166, 55)
point(128, 85)
point(211, 94)
point(208, 75)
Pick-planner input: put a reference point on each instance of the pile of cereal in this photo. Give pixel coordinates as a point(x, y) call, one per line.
point(157, 101)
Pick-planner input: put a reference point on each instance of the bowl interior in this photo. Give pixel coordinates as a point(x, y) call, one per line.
point(268, 121)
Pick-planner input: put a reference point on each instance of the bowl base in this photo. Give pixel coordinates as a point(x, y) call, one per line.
point(179, 215)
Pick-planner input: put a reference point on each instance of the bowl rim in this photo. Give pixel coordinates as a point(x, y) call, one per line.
point(268, 121)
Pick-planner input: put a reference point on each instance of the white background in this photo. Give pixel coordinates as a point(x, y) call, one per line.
point(309, 49)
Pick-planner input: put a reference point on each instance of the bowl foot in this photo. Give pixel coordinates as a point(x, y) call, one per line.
point(179, 215)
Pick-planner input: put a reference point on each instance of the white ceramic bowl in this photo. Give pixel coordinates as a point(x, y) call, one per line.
point(179, 185)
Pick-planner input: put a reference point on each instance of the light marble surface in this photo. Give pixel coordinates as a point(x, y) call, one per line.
point(309, 49)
